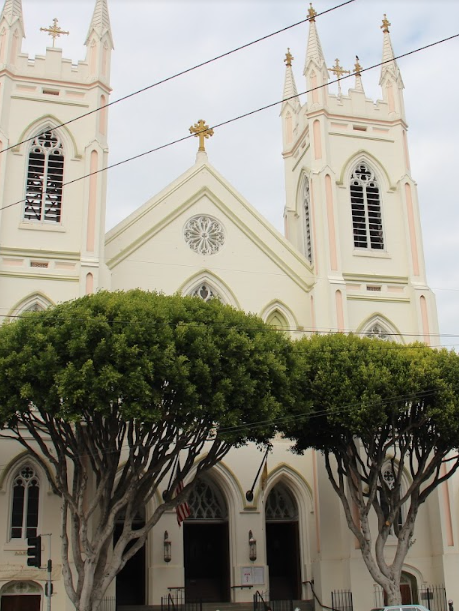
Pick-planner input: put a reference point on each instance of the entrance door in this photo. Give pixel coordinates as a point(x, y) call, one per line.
point(282, 544)
point(206, 562)
point(21, 603)
point(283, 560)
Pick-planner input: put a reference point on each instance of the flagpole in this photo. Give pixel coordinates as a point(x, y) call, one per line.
point(249, 493)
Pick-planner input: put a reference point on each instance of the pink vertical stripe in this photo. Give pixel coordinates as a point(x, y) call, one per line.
point(91, 232)
point(412, 229)
point(331, 223)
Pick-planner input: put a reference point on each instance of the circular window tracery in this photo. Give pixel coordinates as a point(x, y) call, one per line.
point(204, 234)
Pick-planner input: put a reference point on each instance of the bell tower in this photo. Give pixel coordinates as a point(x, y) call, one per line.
point(52, 217)
point(352, 207)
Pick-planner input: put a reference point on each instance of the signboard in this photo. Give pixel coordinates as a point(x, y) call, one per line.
point(253, 575)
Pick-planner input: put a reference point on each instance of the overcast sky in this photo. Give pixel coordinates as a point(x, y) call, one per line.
point(157, 38)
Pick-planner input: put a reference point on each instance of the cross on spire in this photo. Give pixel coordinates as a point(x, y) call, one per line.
point(338, 71)
point(288, 58)
point(54, 30)
point(385, 24)
point(201, 131)
point(311, 13)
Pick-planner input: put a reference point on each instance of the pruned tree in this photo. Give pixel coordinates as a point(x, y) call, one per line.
point(105, 392)
point(386, 419)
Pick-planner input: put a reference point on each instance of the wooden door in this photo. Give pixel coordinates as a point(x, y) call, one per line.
point(30, 602)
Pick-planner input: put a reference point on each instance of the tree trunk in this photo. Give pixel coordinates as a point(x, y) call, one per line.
point(392, 589)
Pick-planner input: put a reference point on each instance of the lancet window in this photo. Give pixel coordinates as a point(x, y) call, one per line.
point(366, 208)
point(45, 175)
point(307, 220)
point(25, 505)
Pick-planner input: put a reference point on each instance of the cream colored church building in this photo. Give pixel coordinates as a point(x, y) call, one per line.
point(351, 259)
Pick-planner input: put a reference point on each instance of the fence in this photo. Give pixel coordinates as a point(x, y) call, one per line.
point(108, 604)
point(433, 597)
point(342, 600)
point(175, 601)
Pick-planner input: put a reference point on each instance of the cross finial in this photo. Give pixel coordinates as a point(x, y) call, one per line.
point(311, 13)
point(338, 71)
point(201, 131)
point(54, 30)
point(288, 58)
point(357, 66)
point(385, 24)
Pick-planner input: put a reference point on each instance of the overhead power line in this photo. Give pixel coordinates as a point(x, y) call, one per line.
point(239, 117)
point(181, 73)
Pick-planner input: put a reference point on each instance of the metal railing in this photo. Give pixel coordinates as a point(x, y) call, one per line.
point(434, 598)
point(342, 600)
point(176, 601)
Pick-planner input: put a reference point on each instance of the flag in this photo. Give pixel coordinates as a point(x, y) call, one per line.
point(182, 510)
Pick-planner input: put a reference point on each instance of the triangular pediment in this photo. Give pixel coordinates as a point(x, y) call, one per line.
point(203, 192)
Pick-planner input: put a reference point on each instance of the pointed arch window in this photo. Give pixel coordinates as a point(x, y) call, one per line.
point(45, 175)
point(307, 219)
point(366, 208)
point(25, 503)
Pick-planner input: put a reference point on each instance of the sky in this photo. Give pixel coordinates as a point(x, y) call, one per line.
point(155, 39)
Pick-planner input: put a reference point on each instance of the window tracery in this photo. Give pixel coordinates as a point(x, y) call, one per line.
point(45, 175)
point(206, 502)
point(378, 331)
point(280, 505)
point(204, 234)
point(307, 219)
point(366, 208)
point(205, 292)
point(25, 503)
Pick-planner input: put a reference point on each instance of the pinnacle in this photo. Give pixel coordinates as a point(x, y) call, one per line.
point(100, 22)
point(12, 10)
point(314, 49)
point(290, 90)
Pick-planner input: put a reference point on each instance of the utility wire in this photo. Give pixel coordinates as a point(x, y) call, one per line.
point(181, 73)
point(239, 117)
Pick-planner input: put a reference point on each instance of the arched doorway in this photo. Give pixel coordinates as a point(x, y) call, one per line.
point(21, 596)
point(282, 545)
point(130, 581)
point(206, 545)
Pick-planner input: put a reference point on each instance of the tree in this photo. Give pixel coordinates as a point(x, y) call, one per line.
point(105, 392)
point(386, 418)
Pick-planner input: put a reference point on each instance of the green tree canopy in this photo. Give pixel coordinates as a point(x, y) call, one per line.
point(386, 418)
point(108, 390)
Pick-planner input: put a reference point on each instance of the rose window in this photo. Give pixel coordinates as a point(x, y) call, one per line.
point(204, 235)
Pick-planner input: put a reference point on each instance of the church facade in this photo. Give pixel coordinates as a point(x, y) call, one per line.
point(351, 260)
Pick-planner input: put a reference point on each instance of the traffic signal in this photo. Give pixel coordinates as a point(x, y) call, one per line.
point(34, 551)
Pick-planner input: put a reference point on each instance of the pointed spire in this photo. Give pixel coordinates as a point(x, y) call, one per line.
point(12, 11)
point(389, 65)
point(358, 75)
point(314, 51)
point(100, 22)
point(290, 90)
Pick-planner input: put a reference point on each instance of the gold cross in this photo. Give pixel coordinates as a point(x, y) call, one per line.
point(201, 131)
point(385, 24)
point(311, 13)
point(338, 72)
point(54, 30)
point(288, 58)
point(357, 67)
